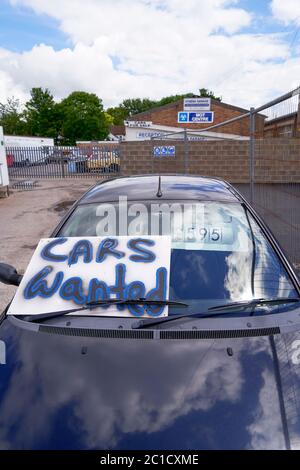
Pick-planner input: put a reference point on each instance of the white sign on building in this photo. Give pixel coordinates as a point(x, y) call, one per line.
point(196, 104)
point(149, 135)
point(138, 123)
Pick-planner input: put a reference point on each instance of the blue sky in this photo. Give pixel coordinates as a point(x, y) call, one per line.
point(127, 48)
point(21, 28)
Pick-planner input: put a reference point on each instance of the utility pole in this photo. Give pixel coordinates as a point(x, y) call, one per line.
point(298, 118)
point(186, 152)
point(252, 154)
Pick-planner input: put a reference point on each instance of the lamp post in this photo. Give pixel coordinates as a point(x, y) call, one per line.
point(59, 139)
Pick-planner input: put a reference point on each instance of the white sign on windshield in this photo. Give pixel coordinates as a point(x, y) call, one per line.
point(66, 273)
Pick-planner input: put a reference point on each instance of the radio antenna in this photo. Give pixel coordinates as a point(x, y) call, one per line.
point(159, 193)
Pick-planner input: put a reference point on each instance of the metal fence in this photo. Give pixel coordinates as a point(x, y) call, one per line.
point(277, 203)
point(63, 162)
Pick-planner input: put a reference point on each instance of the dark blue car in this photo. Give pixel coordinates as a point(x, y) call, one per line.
point(221, 371)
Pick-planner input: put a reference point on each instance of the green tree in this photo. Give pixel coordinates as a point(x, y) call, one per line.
point(132, 106)
point(12, 118)
point(173, 99)
point(204, 92)
point(137, 105)
point(118, 114)
point(42, 114)
point(83, 118)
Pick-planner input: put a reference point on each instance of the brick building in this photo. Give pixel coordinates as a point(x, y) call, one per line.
point(163, 119)
point(283, 126)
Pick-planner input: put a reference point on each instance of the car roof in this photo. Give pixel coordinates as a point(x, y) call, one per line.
point(145, 187)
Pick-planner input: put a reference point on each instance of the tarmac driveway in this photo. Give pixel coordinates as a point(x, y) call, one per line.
point(28, 216)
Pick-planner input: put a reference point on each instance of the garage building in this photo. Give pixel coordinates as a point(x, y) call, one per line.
point(163, 120)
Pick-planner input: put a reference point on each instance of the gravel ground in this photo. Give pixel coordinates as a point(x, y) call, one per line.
point(27, 216)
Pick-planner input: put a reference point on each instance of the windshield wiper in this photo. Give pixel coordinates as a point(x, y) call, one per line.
point(104, 303)
point(242, 305)
point(220, 310)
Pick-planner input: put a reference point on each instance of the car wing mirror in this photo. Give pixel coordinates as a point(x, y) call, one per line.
point(9, 275)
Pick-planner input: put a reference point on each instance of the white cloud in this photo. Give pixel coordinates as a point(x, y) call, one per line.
point(85, 21)
point(266, 429)
point(287, 11)
point(116, 399)
point(130, 48)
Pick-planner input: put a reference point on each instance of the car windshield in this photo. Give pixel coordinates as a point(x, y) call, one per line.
point(219, 253)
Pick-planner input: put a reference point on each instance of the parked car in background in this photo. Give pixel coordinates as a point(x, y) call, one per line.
point(59, 155)
point(20, 157)
point(104, 161)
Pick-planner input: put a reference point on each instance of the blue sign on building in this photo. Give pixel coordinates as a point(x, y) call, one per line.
point(183, 116)
point(194, 117)
point(164, 151)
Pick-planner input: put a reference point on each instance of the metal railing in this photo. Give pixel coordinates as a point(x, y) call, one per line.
point(277, 202)
point(63, 162)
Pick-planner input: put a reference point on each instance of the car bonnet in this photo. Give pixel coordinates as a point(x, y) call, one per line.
point(61, 391)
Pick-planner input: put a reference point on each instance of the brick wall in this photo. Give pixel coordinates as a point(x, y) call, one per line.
point(167, 116)
point(277, 161)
